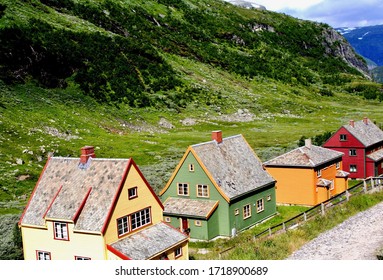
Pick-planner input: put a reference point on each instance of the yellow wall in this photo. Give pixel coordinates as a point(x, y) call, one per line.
point(125, 206)
point(79, 244)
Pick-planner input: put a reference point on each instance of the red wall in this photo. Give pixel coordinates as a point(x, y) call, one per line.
point(334, 143)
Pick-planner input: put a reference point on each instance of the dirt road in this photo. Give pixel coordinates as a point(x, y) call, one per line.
point(357, 238)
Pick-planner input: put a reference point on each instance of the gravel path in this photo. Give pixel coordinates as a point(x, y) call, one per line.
point(357, 238)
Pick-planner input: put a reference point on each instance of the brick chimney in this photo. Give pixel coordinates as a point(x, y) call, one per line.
point(352, 123)
point(86, 153)
point(365, 120)
point(217, 136)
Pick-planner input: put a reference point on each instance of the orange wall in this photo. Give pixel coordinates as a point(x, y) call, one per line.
point(298, 185)
point(294, 185)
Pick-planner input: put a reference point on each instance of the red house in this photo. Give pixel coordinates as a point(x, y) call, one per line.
point(362, 145)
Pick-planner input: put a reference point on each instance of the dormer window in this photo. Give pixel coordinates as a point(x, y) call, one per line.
point(61, 231)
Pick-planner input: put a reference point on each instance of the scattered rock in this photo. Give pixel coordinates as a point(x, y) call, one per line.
point(165, 123)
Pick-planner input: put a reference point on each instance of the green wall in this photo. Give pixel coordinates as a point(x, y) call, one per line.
point(223, 220)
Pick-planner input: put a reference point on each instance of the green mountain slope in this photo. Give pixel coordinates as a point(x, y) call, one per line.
point(145, 79)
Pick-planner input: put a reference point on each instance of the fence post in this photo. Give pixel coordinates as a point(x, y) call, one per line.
point(284, 226)
point(322, 208)
point(305, 216)
point(365, 186)
point(347, 195)
point(372, 183)
point(269, 231)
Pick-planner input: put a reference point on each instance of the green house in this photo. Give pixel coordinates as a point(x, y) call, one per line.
point(218, 189)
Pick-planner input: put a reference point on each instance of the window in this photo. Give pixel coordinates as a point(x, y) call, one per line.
point(269, 197)
point(260, 205)
point(319, 173)
point(61, 231)
point(343, 137)
point(122, 225)
point(81, 258)
point(236, 212)
point(353, 168)
point(202, 191)
point(133, 221)
point(246, 211)
point(140, 218)
point(132, 193)
point(178, 252)
point(191, 167)
point(168, 219)
point(352, 152)
point(197, 223)
point(183, 189)
point(337, 165)
point(41, 255)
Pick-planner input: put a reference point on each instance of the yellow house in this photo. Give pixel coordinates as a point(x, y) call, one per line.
point(96, 209)
point(308, 175)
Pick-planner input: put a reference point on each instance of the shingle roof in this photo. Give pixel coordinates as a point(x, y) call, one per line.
point(190, 207)
point(233, 165)
point(311, 156)
point(149, 242)
point(67, 191)
point(366, 132)
point(376, 156)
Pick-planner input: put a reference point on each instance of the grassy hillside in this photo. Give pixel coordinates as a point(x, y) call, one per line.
point(145, 79)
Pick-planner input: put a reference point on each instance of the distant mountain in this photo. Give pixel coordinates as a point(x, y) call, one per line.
point(367, 41)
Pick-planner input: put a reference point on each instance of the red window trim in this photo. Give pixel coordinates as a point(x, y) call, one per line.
point(54, 231)
point(133, 196)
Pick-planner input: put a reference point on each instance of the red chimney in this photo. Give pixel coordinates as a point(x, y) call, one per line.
point(365, 120)
point(217, 136)
point(352, 123)
point(86, 153)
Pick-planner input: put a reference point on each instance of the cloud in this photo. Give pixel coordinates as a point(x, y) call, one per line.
point(337, 13)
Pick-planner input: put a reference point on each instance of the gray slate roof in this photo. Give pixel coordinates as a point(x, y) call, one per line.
point(64, 187)
point(189, 207)
point(311, 156)
point(376, 156)
point(368, 134)
point(233, 165)
point(149, 242)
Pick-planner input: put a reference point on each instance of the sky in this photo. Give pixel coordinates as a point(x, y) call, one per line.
point(336, 13)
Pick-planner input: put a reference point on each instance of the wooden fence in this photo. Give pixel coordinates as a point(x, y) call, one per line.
point(371, 184)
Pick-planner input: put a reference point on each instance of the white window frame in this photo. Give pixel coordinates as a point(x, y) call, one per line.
point(78, 258)
point(140, 218)
point(178, 252)
point(132, 193)
point(353, 168)
point(352, 152)
point(191, 167)
point(60, 231)
point(343, 137)
point(246, 211)
point(198, 223)
point(43, 256)
point(202, 190)
point(260, 205)
point(123, 225)
point(319, 173)
point(183, 189)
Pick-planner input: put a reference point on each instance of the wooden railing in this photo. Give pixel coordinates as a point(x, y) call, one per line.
point(371, 184)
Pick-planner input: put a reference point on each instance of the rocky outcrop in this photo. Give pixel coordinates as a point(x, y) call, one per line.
point(335, 44)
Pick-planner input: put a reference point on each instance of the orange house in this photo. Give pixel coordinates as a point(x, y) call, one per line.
point(308, 175)
point(91, 208)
